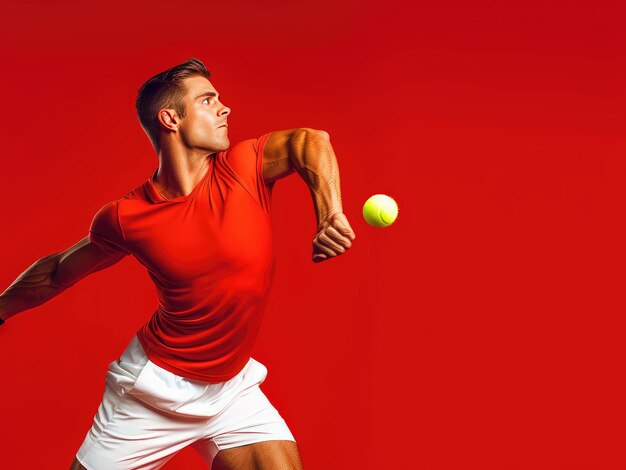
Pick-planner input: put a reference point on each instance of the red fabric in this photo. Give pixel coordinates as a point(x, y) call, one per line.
point(210, 256)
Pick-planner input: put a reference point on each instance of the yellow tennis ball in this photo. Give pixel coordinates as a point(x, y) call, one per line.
point(380, 210)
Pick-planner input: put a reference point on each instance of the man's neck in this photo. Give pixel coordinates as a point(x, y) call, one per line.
point(179, 175)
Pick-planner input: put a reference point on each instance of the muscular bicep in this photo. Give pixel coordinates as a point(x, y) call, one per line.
point(80, 260)
point(284, 151)
point(276, 159)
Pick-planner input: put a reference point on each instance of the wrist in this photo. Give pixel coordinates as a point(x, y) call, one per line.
point(325, 208)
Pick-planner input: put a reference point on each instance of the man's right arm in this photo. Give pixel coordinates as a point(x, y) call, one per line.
point(52, 274)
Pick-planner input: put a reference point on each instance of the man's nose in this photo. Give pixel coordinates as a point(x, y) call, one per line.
point(225, 111)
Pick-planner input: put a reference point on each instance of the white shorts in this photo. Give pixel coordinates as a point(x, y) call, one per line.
point(149, 414)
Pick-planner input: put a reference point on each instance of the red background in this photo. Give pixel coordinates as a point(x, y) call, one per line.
point(483, 330)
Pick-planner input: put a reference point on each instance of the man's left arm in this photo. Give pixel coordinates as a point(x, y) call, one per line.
point(309, 153)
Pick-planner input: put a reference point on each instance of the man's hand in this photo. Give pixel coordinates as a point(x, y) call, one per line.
point(334, 237)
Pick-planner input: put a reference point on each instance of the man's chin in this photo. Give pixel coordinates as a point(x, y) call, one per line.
point(222, 146)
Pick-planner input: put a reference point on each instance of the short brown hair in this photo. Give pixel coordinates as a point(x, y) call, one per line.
point(165, 90)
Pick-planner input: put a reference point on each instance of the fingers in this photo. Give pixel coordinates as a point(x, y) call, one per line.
point(341, 224)
point(325, 247)
point(332, 241)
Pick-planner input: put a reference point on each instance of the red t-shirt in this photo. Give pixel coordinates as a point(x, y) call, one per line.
point(210, 256)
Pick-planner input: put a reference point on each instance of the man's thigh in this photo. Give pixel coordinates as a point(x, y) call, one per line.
point(267, 455)
point(76, 465)
point(128, 433)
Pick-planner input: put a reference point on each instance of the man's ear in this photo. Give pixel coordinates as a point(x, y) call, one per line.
point(168, 119)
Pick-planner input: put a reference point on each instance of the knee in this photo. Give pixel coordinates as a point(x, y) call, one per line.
point(76, 465)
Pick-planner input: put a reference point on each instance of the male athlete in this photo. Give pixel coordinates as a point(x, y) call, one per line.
point(200, 225)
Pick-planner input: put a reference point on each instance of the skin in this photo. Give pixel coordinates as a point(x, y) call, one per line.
point(267, 455)
point(184, 145)
point(186, 142)
point(309, 153)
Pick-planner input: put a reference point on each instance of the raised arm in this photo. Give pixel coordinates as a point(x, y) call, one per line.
point(52, 274)
point(309, 152)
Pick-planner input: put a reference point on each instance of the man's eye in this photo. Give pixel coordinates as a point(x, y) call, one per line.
point(206, 99)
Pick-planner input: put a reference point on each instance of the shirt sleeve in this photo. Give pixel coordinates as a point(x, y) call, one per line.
point(106, 232)
point(246, 160)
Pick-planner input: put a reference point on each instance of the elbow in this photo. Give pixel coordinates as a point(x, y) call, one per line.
point(320, 134)
point(306, 137)
point(308, 133)
point(307, 143)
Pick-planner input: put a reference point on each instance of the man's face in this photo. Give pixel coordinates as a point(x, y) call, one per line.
point(205, 123)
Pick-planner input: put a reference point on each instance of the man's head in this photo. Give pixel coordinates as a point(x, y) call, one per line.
point(182, 103)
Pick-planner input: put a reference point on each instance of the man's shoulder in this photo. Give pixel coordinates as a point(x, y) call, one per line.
point(249, 146)
point(136, 195)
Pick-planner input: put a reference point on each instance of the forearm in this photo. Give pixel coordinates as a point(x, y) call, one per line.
point(32, 288)
point(313, 157)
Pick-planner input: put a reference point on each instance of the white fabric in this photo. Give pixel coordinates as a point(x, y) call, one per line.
point(148, 414)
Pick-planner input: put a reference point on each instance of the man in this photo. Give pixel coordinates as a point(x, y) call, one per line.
point(200, 224)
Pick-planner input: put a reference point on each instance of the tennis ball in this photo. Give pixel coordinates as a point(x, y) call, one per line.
point(380, 210)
